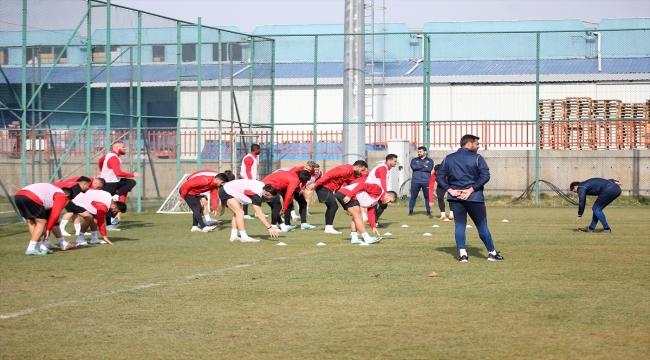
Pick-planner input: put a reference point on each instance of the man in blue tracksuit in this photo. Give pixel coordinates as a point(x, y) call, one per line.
point(422, 167)
point(463, 175)
point(606, 189)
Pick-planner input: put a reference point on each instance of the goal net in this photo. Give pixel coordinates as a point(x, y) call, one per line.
point(173, 204)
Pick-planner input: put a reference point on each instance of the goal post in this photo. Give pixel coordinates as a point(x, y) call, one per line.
point(173, 203)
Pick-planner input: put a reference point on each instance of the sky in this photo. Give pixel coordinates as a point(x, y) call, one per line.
point(247, 14)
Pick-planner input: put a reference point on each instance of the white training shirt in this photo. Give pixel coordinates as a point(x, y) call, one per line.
point(236, 189)
point(108, 174)
point(242, 173)
point(364, 199)
point(85, 200)
point(45, 192)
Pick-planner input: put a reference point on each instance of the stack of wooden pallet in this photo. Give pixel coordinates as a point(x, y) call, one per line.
point(604, 114)
point(551, 112)
point(633, 132)
point(580, 134)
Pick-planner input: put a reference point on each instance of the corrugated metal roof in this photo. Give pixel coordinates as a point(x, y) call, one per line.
point(334, 70)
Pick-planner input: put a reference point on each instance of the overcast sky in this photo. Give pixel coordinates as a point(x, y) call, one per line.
point(247, 14)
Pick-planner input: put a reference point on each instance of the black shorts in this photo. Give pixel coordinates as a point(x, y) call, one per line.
point(74, 208)
point(224, 196)
point(30, 209)
point(351, 203)
point(324, 194)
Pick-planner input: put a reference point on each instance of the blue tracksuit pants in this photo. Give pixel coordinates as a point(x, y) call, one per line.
point(478, 214)
point(605, 198)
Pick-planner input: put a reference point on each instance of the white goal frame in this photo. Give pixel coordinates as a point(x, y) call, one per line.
point(173, 205)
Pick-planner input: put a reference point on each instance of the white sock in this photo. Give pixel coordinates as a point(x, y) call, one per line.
point(77, 227)
point(60, 240)
point(365, 236)
point(293, 213)
point(93, 234)
point(355, 235)
point(494, 252)
point(451, 214)
point(63, 224)
point(463, 252)
point(442, 213)
point(233, 233)
point(46, 240)
point(329, 227)
point(40, 246)
point(243, 234)
point(207, 218)
point(364, 216)
point(32, 245)
point(80, 237)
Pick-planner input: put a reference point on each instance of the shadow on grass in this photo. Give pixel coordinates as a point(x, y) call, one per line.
point(472, 251)
point(134, 224)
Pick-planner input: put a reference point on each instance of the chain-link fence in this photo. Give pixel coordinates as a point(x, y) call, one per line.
point(560, 104)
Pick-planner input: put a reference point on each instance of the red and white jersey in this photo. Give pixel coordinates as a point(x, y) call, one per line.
point(85, 200)
point(315, 174)
point(108, 174)
point(238, 188)
point(379, 175)
point(249, 167)
point(366, 193)
point(42, 193)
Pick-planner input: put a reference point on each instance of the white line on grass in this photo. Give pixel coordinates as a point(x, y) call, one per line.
point(140, 287)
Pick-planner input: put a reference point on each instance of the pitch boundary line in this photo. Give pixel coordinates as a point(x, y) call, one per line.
point(142, 287)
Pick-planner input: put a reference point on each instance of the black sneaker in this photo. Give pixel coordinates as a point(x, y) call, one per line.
point(410, 212)
point(606, 231)
point(428, 213)
point(586, 229)
point(379, 226)
point(463, 258)
point(496, 257)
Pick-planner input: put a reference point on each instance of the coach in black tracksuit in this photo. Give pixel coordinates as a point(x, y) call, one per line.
point(607, 191)
point(463, 175)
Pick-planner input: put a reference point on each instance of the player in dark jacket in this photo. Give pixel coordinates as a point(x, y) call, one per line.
point(422, 167)
point(463, 175)
point(607, 191)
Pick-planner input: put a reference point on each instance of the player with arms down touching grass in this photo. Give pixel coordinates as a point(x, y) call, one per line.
point(191, 191)
point(99, 203)
point(607, 191)
point(78, 184)
point(463, 175)
point(41, 204)
point(366, 195)
point(287, 183)
point(246, 192)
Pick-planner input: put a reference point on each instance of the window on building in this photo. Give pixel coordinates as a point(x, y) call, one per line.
point(229, 51)
point(158, 53)
point(99, 53)
point(46, 55)
point(4, 56)
point(189, 52)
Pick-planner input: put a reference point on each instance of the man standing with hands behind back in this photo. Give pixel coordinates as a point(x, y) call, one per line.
point(463, 175)
point(422, 167)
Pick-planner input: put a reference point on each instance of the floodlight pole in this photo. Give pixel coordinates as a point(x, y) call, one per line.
point(23, 126)
point(107, 57)
point(138, 110)
point(198, 97)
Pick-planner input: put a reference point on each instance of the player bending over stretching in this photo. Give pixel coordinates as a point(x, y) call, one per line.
point(98, 203)
point(363, 195)
point(245, 192)
point(41, 204)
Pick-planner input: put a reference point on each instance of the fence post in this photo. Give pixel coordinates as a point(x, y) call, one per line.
point(107, 57)
point(537, 120)
point(198, 97)
point(89, 63)
point(426, 101)
point(314, 144)
point(272, 101)
point(178, 102)
point(138, 111)
point(23, 100)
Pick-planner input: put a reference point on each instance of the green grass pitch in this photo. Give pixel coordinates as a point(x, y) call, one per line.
point(163, 292)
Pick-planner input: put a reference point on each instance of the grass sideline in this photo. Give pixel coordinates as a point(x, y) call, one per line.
point(163, 292)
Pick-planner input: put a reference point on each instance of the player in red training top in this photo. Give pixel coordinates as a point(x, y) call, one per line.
point(191, 191)
point(287, 183)
point(366, 195)
point(331, 182)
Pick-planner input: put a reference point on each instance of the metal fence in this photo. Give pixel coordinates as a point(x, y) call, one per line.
point(77, 75)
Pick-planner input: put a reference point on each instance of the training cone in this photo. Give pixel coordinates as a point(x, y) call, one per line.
point(280, 244)
point(405, 225)
point(388, 234)
point(320, 244)
point(426, 234)
point(436, 226)
point(505, 220)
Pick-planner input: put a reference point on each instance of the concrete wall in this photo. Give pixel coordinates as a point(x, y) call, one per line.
point(512, 171)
